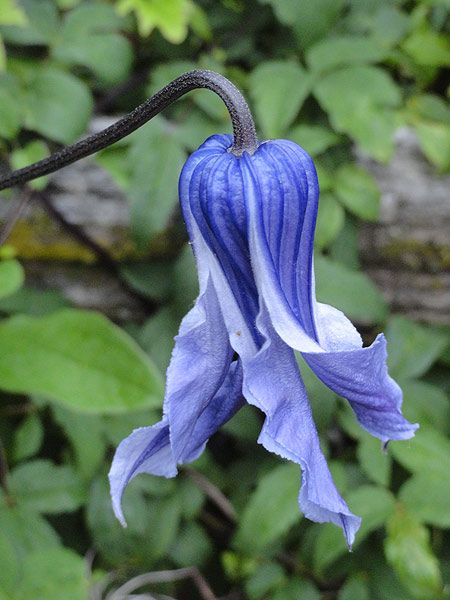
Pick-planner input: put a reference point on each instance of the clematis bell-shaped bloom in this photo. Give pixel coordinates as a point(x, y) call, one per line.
point(251, 221)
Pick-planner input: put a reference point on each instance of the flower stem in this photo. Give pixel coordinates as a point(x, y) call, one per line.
point(245, 139)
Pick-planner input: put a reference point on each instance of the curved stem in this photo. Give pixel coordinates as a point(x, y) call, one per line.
point(245, 139)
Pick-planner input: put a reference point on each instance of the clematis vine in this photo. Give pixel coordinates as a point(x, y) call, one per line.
point(250, 210)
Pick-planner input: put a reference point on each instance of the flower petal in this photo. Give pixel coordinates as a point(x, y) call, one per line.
point(227, 401)
point(200, 362)
point(360, 375)
point(146, 450)
point(273, 384)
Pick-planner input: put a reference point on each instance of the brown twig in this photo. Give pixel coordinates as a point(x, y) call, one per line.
point(212, 492)
point(154, 577)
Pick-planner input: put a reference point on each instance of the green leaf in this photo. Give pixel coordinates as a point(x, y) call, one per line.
point(28, 438)
point(11, 277)
point(408, 551)
point(41, 486)
point(152, 524)
point(191, 546)
point(374, 462)
point(413, 348)
point(345, 50)
point(373, 504)
point(171, 18)
point(277, 103)
point(271, 510)
point(21, 532)
point(11, 13)
point(30, 153)
point(33, 302)
point(86, 436)
point(59, 105)
point(41, 25)
point(435, 141)
point(310, 21)
point(428, 48)
point(156, 157)
point(428, 451)
point(315, 139)
point(267, 578)
point(156, 337)
point(88, 38)
point(49, 571)
point(297, 588)
point(77, 358)
point(152, 279)
point(350, 291)
point(355, 588)
point(359, 101)
point(330, 220)
point(426, 495)
point(426, 404)
point(358, 191)
point(11, 107)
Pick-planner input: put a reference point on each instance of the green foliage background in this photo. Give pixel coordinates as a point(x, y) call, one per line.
point(327, 74)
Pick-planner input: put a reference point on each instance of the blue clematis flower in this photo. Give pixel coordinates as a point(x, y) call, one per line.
point(251, 221)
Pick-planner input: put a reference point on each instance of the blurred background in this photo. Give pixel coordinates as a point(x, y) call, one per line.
point(362, 85)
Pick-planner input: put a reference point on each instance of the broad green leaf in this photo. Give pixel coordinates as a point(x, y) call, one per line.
point(11, 13)
point(152, 279)
point(11, 107)
point(375, 463)
point(350, 291)
point(373, 504)
point(428, 451)
point(426, 495)
point(77, 358)
point(58, 104)
point(435, 141)
point(309, 20)
point(297, 588)
point(152, 524)
point(86, 436)
point(359, 101)
point(358, 191)
point(26, 530)
point(171, 18)
point(278, 89)
point(330, 220)
point(329, 53)
point(41, 486)
point(271, 511)
point(89, 38)
point(30, 153)
point(267, 578)
point(47, 572)
point(355, 588)
point(426, 404)
point(9, 573)
point(41, 25)
point(28, 438)
point(11, 277)
point(428, 48)
point(33, 302)
point(191, 546)
point(315, 139)
point(413, 348)
point(408, 551)
point(156, 337)
point(156, 157)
